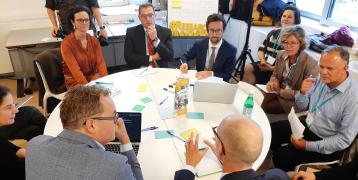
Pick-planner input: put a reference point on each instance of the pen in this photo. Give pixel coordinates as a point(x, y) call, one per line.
point(166, 89)
point(163, 100)
point(181, 61)
point(172, 134)
point(143, 71)
point(20, 104)
point(150, 128)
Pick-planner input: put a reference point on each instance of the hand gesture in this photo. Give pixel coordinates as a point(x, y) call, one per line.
point(265, 67)
point(156, 57)
point(302, 175)
point(306, 85)
point(273, 85)
point(299, 144)
point(193, 154)
point(152, 32)
point(184, 68)
point(54, 31)
point(121, 132)
point(203, 74)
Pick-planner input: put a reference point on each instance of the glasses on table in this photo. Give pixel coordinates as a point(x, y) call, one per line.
point(216, 134)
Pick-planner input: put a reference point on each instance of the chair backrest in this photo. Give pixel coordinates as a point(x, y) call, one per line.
point(353, 69)
point(49, 74)
point(351, 152)
point(246, 87)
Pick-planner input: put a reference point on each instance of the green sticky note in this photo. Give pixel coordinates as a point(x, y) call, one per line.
point(138, 108)
point(146, 100)
point(162, 134)
point(195, 115)
point(186, 134)
point(142, 88)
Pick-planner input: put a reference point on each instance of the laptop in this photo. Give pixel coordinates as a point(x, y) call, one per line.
point(214, 92)
point(133, 123)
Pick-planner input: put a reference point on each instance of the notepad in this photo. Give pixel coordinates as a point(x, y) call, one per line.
point(138, 108)
point(166, 112)
point(208, 165)
point(162, 134)
point(195, 115)
point(186, 134)
point(146, 100)
point(142, 88)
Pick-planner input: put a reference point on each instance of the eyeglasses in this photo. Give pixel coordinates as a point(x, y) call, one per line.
point(216, 134)
point(292, 43)
point(83, 21)
point(216, 31)
point(114, 118)
point(145, 16)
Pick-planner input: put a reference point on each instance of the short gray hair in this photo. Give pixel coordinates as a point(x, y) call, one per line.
point(296, 31)
point(343, 52)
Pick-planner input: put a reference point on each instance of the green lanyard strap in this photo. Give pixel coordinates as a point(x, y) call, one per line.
point(319, 104)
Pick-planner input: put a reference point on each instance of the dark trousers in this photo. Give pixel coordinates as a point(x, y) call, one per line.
point(29, 122)
point(287, 157)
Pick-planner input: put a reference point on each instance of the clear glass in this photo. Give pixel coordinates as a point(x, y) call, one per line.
point(311, 6)
point(345, 12)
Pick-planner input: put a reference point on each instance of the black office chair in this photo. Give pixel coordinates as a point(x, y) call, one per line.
point(50, 78)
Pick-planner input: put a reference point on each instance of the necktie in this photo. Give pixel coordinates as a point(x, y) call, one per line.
point(212, 58)
point(151, 51)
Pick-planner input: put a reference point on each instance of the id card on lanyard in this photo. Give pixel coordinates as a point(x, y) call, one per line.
point(318, 104)
point(291, 71)
point(270, 59)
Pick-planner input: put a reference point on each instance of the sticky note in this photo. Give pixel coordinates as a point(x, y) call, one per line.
point(162, 134)
point(195, 115)
point(146, 100)
point(177, 4)
point(166, 112)
point(142, 88)
point(186, 134)
point(138, 108)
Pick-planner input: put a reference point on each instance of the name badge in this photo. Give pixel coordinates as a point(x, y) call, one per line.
point(309, 119)
point(270, 60)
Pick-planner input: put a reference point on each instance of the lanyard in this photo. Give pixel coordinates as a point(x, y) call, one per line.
point(277, 44)
point(319, 104)
point(292, 70)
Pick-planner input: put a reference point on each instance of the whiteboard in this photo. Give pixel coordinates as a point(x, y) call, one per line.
point(191, 11)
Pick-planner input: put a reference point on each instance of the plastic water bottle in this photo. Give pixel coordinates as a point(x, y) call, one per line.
point(249, 105)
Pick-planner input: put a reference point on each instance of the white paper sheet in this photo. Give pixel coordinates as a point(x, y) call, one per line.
point(264, 89)
point(297, 127)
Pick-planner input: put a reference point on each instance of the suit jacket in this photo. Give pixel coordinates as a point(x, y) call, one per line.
point(224, 60)
point(72, 155)
point(307, 66)
point(272, 174)
point(135, 51)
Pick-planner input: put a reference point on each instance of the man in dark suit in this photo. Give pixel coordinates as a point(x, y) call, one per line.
point(148, 44)
point(214, 56)
point(238, 144)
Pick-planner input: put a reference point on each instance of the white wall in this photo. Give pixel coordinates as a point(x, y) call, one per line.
point(19, 14)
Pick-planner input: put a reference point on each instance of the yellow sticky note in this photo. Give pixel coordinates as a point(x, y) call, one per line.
point(186, 134)
point(142, 88)
point(177, 4)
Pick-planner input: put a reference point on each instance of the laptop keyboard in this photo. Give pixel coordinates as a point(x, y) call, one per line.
point(116, 148)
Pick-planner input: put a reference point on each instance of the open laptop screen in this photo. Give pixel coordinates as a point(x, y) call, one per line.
point(133, 123)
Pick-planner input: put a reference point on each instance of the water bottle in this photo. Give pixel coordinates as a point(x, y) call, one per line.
point(249, 105)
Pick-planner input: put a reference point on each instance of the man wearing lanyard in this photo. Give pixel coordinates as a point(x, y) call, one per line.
point(148, 44)
point(331, 123)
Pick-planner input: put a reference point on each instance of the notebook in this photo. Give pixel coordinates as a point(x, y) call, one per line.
point(214, 92)
point(133, 123)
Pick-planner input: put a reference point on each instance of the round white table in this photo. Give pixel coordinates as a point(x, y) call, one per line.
point(160, 158)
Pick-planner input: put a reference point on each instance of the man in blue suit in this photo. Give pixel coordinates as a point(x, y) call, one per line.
point(238, 144)
point(89, 119)
point(214, 56)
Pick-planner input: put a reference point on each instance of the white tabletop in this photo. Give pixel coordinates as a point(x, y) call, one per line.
point(160, 158)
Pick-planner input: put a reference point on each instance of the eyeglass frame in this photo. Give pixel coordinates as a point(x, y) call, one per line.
point(114, 118)
point(285, 43)
point(217, 135)
point(83, 20)
point(215, 31)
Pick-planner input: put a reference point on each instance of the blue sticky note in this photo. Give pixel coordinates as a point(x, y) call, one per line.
point(195, 115)
point(162, 134)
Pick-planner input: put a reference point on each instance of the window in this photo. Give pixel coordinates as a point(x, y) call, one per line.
point(331, 12)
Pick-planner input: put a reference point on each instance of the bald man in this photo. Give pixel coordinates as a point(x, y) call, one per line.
point(238, 144)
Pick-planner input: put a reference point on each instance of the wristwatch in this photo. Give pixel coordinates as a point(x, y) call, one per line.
point(102, 27)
